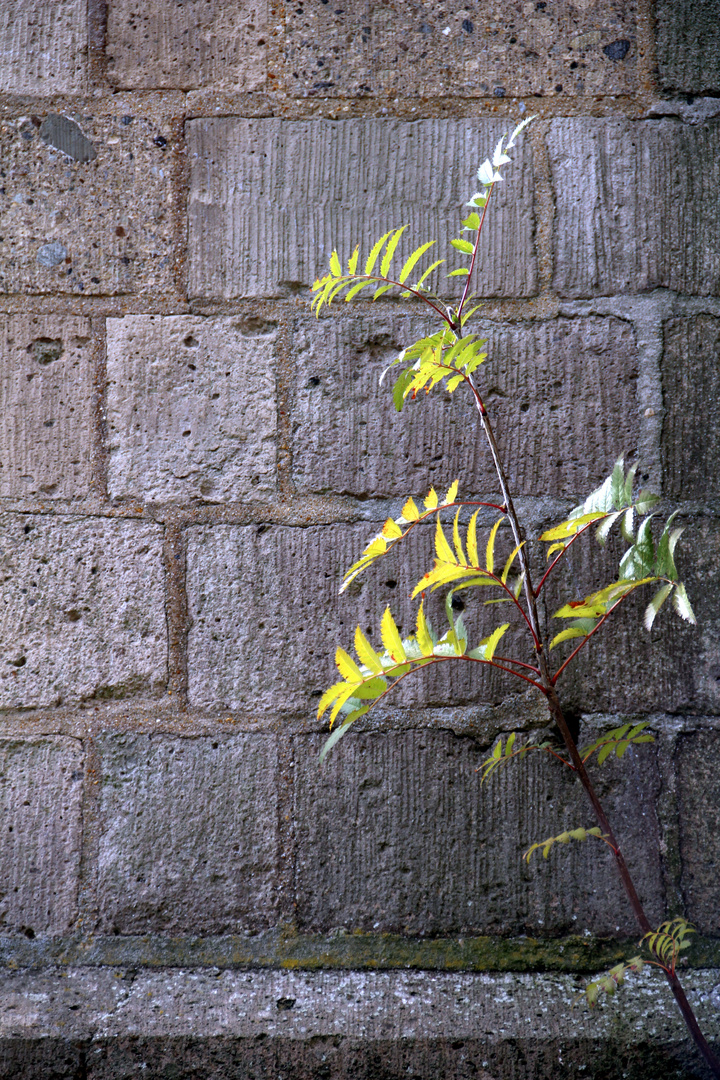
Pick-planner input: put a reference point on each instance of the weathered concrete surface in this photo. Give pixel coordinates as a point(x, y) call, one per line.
point(688, 45)
point(698, 764)
point(43, 46)
point(187, 45)
point(561, 395)
point(396, 834)
point(626, 669)
point(641, 233)
point(191, 407)
point(470, 49)
point(258, 643)
point(189, 833)
point(270, 198)
point(691, 396)
point(348, 1025)
point(90, 226)
point(45, 405)
point(40, 805)
point(83, 613)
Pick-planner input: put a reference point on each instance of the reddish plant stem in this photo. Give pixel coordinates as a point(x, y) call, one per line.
point(556, 712)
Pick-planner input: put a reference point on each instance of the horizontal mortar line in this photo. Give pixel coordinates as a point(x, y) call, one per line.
point(286, 949)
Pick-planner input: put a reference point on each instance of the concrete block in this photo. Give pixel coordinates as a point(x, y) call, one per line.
point(40, 801)
point(188, 45)
point(83, 610)
point(688, 46)
point(473, 49)
point(45, 405)
point(191, 407)
point(621, 224)
point(561, 396)
point(267, 617)
point(625, 669)
point(44, 46)
point(270, 198)
point(691, 394)
point(396, 834)
point(87, 205)
point(189, 833)
point(698, 761)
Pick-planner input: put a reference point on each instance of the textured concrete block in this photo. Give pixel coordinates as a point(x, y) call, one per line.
point(270, 198)
point(674, 669)
point(396, 834)
point(561, 396)
point(698, 764)
point(83, 611)
point(688, 45)
point(40, 803)
point(622, 224)
point(691, 394)
point(267, 618)
point(188, 45)
point(189, 833)
point(45, 405)
point(471, 49)
point(86, 205)
point(190, 407)
point(43, 46)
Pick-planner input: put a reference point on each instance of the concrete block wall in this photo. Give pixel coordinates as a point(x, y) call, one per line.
point(189, 460)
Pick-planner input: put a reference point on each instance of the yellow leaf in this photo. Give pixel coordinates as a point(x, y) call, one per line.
point(342, 697)
point(442, 548)
point(441, 575)
point(490, 550)
point(372, 257)
point(391, 638)
point(392, 530)
point(432, 500)
point(335, 267)
point(423, 633)
point(510, 561)
point(410, 511)
point(472, 541)
point(452, 493)
point(490, 644)
point(347, 667)
point(571, 526)
point(366, 653)
point(456, 538)
point(377, 546)
point(352, 265)
point(328, 697)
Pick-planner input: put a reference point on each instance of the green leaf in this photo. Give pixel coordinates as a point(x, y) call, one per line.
point(401, 387)
point(413, 259)
point(580, 628)
point(606, 525)
point(617, 484)
point(462, 272)
point(356, 289)
point(390, 250)
point(472, 221)
point(433, 266)
point(338, 733)
point(379, 292)
point(352, 264)
point(463, 245)
point(645, 502)
point(655, 604)
point(373, 256)
point(682, 604)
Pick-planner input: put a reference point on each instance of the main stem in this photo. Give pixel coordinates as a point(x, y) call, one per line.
point(556, 712)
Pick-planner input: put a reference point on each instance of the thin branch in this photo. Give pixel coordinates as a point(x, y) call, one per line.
point(557, 559)
point(585, 640)
point(474, 256)
point(406, 288)
point(509, 660)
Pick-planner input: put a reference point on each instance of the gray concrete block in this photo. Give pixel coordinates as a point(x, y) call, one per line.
point(83, 610)
point(270, 198)
point(561, 396)
point(189, 833)
point(688, 45)
point(675, 668)
point(191, 407)
point(82, 224)
point(473, 49)
point(44, 46)
point(691, 395)
point(395, 833)
point(45, 405)
point(698, 762)
point(40, 803)
point(267, 617)
point(621, 224)
point(188, 45)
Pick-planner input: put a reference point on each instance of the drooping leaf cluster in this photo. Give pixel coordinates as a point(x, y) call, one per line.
point(665, 944)
point(563, 838)
point(611, 980)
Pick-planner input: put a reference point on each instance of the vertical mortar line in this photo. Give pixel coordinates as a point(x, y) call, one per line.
point(647, 73)
point(287, 848)
point(98, 448)
point(668, 813)
point(544, 202)
point(284, 371)
point(96, 31)
point(176, 610)
point(180, 187)
point(88, 910)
